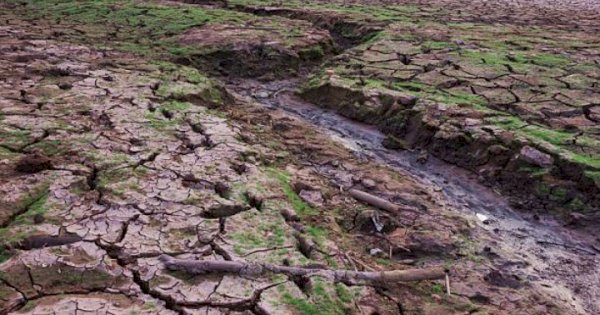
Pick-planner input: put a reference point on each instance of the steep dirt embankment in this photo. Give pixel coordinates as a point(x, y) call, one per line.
point(526, 122)
point(540, 178)
point(519, 110)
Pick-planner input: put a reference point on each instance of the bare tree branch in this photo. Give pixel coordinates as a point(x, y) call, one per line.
point(375, 278)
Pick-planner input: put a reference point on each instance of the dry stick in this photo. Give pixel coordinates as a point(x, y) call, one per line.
point(344, 276)
point(350, 261)
point(373, 200)
point(448, 284)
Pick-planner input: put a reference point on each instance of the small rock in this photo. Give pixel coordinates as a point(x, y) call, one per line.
point(423, 157)
point(497, 278)
point(535, 157)
point(65, 86)
point(255, 199)
point(261, 94)
point(376, 252)
point(436, 297)
point(38, 218)
point(223, 210)
point(313, 197)
point(281, 126)
point(393, 143)
point(368, 183)
point(483, 218)
point(289, 215)
point(222, 189)
point(408, 100)
point(472, 122)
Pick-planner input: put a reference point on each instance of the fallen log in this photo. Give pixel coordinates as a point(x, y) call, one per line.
point(373, 200)
point(253, 269)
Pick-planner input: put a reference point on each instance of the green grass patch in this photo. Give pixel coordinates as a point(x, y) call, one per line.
point(595, 176)
point(143, 28)
point(321, 302)
point(49, 147)
point(301, 208)
point(14, 138)
point(561, 140)
point(36, 206)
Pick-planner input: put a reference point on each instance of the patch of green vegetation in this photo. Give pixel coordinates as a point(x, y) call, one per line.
point(319, 235)
point(249, 239)
point(534, 171)
point(301, 208)
point(595, 176)
point(36, 205)
point(150, 305)
point(276, 231)
point(175, 106)
point(30, 305)
point(558, 194)
point(549, 60)
point(437, 288)
point(106, 161)
point(578, 205)
point(108, 177)
point(157, 121)
point(521, 62)
point(139, 20)
point(343, 293)
point(11, 235)
point(202, 89)
point(4, 254)
point(321, 302)
point(14, 138)
point(373, 38)
point(49, 147)
point(172, 72)
point(542, 189)
point(412, 86)
point(589, 160)
point(562, 140)
point(6, 154)
point(315, 79)
point(437, 45)
point(314, 52)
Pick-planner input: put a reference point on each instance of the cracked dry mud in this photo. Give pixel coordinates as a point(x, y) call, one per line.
point(116, 148)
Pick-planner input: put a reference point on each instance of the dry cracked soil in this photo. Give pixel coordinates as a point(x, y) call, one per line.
point(137, 132)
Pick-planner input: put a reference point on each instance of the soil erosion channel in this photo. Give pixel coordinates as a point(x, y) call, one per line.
point(552, 257)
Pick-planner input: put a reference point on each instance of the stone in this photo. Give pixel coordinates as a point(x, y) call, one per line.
point(376, 252)
point(261, 94)
point(368, 183)
point(313, 197)
point(535, 157)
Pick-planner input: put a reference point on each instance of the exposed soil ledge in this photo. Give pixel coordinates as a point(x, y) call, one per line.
point(538, 177)
point(346, 30)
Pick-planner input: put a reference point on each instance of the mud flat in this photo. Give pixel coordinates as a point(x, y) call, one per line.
point(206, 130)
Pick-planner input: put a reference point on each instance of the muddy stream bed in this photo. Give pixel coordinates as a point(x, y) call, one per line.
point(539, 250)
